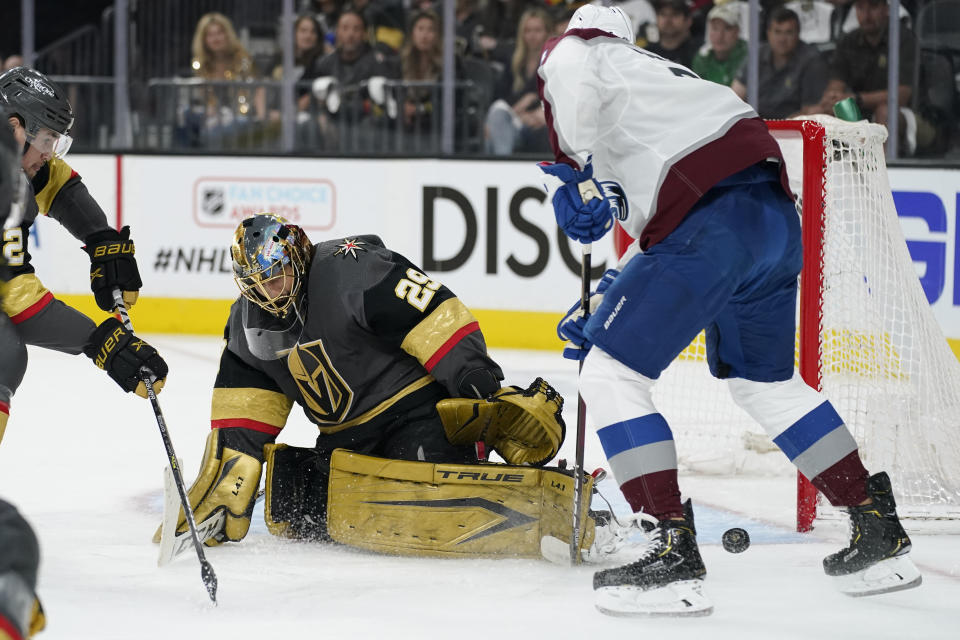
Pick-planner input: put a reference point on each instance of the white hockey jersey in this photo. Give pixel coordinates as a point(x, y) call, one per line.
point(651, 125)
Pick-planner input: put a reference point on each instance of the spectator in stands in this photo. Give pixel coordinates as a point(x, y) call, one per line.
point(725, 52)
point(15, 60)
point(469, 30)
point(308, 47)
point(353, 58)
point(792, 73)
point(859, 71)
point(385, 21)
point(326, 12)
point(421, 60)
point(676, 43)
point(640, 12)
point(561, 19)
point(515, 121)
point(218, 113)
point(337, 78)
point(500, 19)
point(816, 19)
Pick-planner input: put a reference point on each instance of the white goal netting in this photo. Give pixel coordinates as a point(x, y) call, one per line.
point(883, 359)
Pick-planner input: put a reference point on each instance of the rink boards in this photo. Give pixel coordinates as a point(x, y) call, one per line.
point(484, 228)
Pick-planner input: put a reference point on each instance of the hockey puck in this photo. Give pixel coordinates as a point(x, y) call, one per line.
point(736, 540)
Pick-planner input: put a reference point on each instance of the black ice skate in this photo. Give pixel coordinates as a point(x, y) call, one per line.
point(667, 580)
point(876, 560)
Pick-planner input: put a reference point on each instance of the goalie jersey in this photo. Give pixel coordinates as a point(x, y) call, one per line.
point(657, 133)
point(375, 336)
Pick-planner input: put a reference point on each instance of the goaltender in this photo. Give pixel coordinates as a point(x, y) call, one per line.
point(394, 371)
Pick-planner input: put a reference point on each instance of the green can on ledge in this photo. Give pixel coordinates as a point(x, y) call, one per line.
point(848, 110)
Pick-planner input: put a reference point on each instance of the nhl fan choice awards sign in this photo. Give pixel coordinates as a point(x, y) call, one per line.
point(225, 202)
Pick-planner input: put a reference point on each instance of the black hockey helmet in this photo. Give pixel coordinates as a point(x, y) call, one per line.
point(40, 104)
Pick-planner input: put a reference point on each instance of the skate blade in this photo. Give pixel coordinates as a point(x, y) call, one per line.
point(679, 599)
point(892, 574)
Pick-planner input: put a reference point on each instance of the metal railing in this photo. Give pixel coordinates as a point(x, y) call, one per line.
point(380, 116)
point(92, 98)
point(137, 40)
point(84, 52)
point(162, 30)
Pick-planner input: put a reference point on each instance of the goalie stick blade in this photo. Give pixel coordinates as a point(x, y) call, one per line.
point(171, 511)
point(555, 550)
point(173, 544)
point(893, 574)
point(679, 599)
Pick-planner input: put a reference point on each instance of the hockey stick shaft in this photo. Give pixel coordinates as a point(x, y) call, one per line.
point(586, 250)
point(206, 570)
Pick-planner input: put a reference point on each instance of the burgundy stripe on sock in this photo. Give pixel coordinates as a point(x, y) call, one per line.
point(844, 483)
point(655, 493)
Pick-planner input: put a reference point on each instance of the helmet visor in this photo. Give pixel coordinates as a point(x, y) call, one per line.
point(50, 142)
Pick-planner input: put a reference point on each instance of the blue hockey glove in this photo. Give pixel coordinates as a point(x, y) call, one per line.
point(580, 206)
point(571, 328)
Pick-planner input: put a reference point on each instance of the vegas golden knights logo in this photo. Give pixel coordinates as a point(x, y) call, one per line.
point(327, 396)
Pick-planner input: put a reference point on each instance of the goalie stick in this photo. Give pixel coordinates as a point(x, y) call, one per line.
point(172, 544)
point(207, 574)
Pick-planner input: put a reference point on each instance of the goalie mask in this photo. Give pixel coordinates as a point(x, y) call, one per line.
point(270, 262)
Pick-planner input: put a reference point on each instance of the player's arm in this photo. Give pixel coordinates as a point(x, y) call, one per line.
point(247, 412)
point(416, 313)
point(65, 198)
point(572, 97)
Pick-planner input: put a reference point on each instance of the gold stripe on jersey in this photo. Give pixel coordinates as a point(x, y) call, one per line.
point(60, 172)
point(433, 331)
point(268, 407)
point(21, 293)
point(370, 414)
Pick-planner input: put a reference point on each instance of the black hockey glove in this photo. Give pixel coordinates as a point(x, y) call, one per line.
point(112, 266)
point(122, 354)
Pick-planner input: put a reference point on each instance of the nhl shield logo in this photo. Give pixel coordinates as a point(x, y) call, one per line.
point(213, 201)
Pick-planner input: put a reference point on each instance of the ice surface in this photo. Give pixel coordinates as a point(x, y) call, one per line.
point(83, 463)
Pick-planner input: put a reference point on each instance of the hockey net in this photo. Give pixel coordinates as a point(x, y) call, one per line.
point(866, 337)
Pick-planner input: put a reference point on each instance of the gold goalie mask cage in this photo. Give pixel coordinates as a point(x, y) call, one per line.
point(270, 261)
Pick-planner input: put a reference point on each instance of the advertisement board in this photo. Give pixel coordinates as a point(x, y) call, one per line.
point(484, 228)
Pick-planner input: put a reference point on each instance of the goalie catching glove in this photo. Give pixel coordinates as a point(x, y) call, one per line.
point(112, 266)
point(122, 355)
point(228, 482)
point(524, 426)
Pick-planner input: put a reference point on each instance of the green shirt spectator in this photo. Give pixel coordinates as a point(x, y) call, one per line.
point(723, 55)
